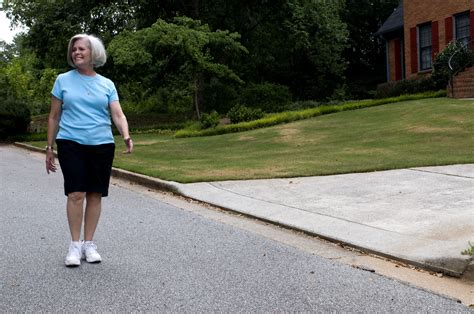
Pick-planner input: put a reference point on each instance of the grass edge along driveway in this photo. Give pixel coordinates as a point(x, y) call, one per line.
point(427, 132)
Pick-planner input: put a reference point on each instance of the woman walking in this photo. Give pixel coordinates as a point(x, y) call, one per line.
point(82, 103)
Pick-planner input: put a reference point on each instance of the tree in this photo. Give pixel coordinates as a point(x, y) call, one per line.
point(7, 52)
point(316, 40)
point(296, 43)
point(176, 55)
point(20, 77)
point(27, 84)
point(291, 43)
point(457, 55)
point(14, 112)
point(52, 23)
point(365, 53)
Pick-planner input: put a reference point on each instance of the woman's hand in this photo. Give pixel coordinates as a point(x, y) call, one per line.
point(129, 143)
point(50, 161)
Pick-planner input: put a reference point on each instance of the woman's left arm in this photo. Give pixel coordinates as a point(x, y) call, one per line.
point(121, 123)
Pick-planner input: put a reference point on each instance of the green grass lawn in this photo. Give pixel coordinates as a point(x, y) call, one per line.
point(426, 132)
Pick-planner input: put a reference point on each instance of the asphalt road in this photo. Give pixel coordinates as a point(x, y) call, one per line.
point(161, 258)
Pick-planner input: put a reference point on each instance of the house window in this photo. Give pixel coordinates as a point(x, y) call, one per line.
point(425, 46)
point(462, 28)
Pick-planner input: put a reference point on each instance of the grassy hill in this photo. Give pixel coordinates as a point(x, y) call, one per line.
point(426, 132)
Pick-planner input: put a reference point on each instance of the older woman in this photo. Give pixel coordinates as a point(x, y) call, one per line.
point(79, 121)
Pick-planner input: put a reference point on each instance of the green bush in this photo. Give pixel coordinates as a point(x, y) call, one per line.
point(28, 137)
point(14, 117)
point(242, 114)
point(408, 86)
point(268, 97)
point(469, 251)
point(289, 116)
point(138, 121)
point(209, 120)
point(437, 80)
point(463, 57)
point(304, 104)
point(220, 96)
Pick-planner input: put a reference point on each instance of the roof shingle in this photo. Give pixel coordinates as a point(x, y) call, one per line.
point(394, 21)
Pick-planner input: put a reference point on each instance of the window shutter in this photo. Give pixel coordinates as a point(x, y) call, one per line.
point(398, 59)
point(435, 39)
point(413, 50)
point(448, 26)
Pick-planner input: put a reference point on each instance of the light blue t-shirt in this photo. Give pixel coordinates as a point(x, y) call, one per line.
point(85, 116)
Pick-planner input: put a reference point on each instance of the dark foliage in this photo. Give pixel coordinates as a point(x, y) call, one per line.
point(14, 117)
point(365, 54)
point(209, 120)
point(241, 113)
point(461, 56)
point(268, 97)
point(409, 86)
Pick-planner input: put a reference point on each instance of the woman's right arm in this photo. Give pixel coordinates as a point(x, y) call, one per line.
point(53, 125)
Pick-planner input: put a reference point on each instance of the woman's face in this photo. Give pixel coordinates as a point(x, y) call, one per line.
point(81, 53)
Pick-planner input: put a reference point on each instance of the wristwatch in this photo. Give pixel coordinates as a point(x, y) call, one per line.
point(51, 148)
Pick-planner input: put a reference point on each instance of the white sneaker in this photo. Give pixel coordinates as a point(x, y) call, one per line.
point(89, 252)
point(73, 257)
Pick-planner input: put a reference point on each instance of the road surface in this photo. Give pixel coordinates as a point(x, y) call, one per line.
point(157, 257)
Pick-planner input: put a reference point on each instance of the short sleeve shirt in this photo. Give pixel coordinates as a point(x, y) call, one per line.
point(85, 116)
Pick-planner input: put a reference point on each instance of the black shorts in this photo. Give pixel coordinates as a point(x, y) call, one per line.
point(86, 168)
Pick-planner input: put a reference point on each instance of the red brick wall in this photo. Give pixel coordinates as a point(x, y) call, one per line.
point(421, 11)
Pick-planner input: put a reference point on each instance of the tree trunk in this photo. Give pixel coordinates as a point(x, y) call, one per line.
point(198, 94)
point(196, 98)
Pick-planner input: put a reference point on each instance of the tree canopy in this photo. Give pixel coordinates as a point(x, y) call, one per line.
point(172, 56)
point(365, 53)
point(176, 55)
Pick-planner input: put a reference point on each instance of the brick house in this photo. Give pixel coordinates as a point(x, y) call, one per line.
point(418, 30)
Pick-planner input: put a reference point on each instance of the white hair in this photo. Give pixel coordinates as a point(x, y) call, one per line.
point(98, 55)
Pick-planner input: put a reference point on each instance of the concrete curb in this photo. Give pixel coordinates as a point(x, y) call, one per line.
point(169, 186)
point(423, 253)
point(444, 262)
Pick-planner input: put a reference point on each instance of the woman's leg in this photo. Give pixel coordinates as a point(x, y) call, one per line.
point(75, 209)
point(92, 214)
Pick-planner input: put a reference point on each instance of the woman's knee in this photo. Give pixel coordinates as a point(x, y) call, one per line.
point(93, 196)
point(76, 197)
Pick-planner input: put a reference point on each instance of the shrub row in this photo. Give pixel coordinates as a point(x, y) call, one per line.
point(438, 79)
point(266, 96)
point(290, 116)
point(28, 137)
point(236, 114)
point(14, 117)
point(408, 86)
point(243, 114)
point(209, 120)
